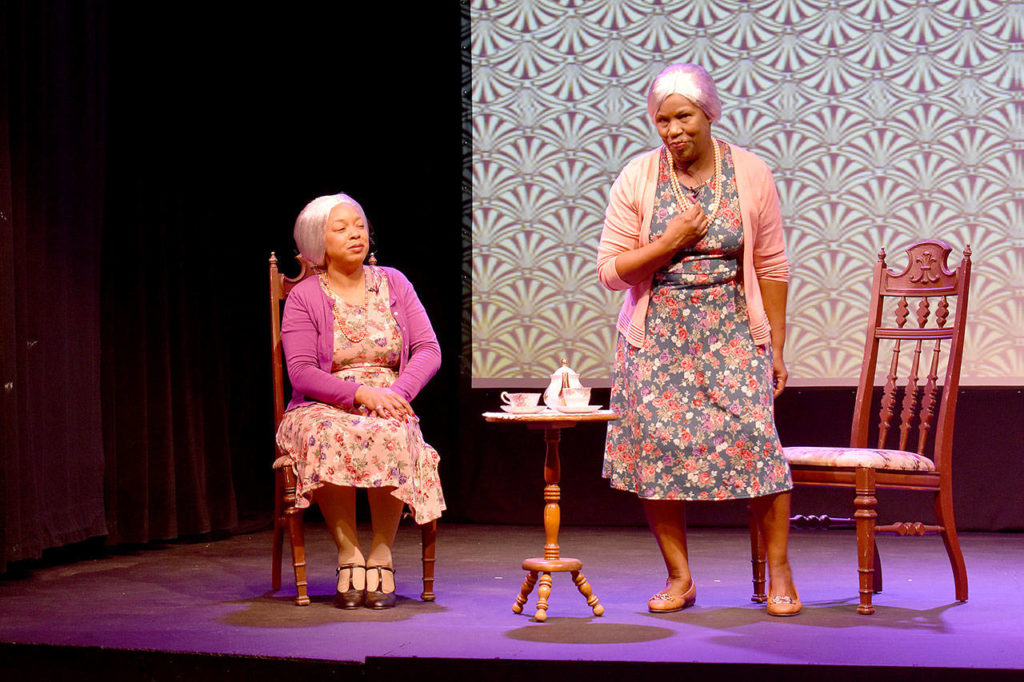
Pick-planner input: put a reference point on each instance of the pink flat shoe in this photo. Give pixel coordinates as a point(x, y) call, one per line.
point(664, 602)
point(784, 606)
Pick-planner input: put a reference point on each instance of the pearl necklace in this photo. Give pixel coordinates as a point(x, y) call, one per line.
point(683, 199)
point(354, 333)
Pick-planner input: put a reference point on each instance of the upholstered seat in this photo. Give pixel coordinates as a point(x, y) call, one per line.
point(896, 460)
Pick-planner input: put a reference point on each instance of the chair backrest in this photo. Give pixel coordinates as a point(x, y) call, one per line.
point(280, 287)
point(923, 311)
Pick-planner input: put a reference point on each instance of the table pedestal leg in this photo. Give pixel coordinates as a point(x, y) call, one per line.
point(552, 561)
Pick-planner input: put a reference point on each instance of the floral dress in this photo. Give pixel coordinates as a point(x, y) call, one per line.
point(352, 447)
point(695, 402)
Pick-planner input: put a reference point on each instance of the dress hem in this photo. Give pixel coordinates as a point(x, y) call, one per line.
point(307, 496)
point(697, 499)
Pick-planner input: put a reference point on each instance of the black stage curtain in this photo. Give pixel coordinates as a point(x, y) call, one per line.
point(53, 127)
point(165, 389)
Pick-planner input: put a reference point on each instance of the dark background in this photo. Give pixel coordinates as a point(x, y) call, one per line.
point(152, 155)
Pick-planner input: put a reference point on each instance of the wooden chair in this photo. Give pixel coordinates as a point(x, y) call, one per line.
point(286, 514)
point(922, 309)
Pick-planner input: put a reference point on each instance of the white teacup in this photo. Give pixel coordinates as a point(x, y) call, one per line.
point(520, 399)
point(576, 397)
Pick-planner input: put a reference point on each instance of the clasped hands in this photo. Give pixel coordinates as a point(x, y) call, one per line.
point(384, 402)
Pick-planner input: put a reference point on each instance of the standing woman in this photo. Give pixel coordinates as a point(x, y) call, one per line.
point(359, 347)
point(693, 231)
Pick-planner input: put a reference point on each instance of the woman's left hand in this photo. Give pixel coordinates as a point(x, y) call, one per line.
point(779, 373)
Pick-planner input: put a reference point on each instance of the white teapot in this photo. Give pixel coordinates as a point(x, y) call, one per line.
point(563, 377)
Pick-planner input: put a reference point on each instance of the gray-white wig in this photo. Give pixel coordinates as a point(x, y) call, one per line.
point(689, 80)
point(309, 226)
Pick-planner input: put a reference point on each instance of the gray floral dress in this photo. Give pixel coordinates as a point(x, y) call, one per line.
point(695, 401)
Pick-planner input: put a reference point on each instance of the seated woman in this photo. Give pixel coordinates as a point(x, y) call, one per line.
point(359, 347)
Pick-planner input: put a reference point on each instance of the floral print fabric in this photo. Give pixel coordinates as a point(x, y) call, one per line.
point(328, 444)
point(695, 401)
point(853, 457)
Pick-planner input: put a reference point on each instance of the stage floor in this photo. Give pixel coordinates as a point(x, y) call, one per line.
point(214, 598)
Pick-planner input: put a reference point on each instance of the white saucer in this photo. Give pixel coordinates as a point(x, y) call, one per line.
point(524, 409)
point(582, 409)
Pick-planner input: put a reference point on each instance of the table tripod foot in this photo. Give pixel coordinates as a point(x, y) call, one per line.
point(524, 593)
point(587, 592)
point(543, 592)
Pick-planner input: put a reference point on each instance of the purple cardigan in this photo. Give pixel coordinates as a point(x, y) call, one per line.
point(307, 334)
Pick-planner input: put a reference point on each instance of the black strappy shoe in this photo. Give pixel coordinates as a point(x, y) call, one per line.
point(378, 599)
point(351, 598)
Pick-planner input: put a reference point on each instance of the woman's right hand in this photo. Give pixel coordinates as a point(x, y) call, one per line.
point(682, 231)
point(686, 229)
point(383, 402)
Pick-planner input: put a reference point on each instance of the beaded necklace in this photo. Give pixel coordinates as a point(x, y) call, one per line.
point(683, 199)
point(352, 331)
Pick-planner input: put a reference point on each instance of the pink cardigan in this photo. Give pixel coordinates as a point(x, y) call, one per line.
point(627, 226)
point(307, 334)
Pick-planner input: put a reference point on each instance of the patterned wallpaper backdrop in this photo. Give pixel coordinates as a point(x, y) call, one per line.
point(884, 121)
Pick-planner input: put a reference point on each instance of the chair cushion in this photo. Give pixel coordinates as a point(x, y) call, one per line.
point(853, 457)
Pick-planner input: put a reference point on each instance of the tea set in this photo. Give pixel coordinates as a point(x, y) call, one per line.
point(564, 394)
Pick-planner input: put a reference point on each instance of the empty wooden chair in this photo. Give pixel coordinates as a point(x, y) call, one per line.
point(917, 317)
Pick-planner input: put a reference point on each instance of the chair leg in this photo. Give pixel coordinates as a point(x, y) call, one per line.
point(758, 560)
point(876, 585)
point(865, 515)
point(275, 573)
point(944, 512)
point(298, 556)
point(293, 518)
point(429, 535)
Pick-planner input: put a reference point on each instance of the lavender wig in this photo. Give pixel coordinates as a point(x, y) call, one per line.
point(689, 80)
point(309, 226)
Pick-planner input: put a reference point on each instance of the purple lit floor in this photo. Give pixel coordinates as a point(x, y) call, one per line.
point(214, 598)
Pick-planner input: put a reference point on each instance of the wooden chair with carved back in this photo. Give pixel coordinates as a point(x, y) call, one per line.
point(286, 515)
point(923, 310)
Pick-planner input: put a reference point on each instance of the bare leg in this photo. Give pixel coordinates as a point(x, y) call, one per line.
point(667, 519)
point(338, 505)
point(385, 513)
point(772, 516)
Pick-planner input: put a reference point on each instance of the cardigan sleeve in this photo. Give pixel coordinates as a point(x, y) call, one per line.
point(621, 231)
point(300, 339)
point(424, 351)
point(770, 261)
